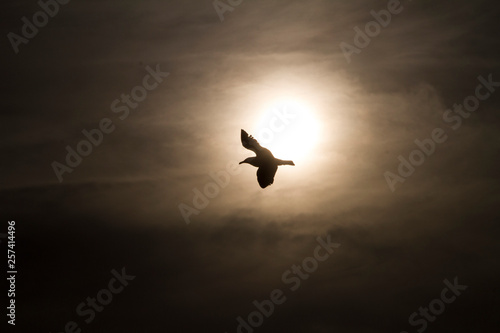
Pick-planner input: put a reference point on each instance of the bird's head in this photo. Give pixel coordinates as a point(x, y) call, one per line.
point(248, 160)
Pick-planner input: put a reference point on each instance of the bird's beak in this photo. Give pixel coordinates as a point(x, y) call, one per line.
point(242, 162)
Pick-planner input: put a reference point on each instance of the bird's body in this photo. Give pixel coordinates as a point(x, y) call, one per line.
point(264, 160)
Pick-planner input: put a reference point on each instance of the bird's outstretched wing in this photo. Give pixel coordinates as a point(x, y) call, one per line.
point(265, 174)
point(249, 142)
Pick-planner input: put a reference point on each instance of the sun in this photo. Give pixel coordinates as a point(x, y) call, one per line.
point(289, 128)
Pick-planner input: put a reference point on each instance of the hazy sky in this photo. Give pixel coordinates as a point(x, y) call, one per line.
point(119, 207)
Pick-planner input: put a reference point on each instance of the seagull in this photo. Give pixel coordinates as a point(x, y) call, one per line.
point(266, 163)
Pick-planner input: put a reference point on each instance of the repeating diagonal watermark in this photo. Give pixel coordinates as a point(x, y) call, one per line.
point(372, 29)
point(95, 137)
point(30, 29)
point(293, 278)
point(427, 147)
point(437, 306)
point(222, 7)
point(103, 298)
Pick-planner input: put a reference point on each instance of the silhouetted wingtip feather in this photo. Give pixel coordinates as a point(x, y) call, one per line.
point(265, 175)
point(264, 184)
point(244, 137)
point(249, 142)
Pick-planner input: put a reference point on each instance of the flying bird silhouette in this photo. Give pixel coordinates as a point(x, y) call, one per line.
point(266, 163)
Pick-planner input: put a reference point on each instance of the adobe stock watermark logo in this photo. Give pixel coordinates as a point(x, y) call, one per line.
point(94, 137)
point(211, 190)
point(437, 306)
point(283, 119)
point(427, 147)
point(221, 7)
point(30, 29)
point(371, 30)
point(104, 297)
point(293, 278)
point(274, 124)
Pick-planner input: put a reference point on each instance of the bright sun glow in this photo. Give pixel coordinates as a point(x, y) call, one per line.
point(289, 129)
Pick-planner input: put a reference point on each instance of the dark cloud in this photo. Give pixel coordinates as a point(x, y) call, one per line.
point(206, 275)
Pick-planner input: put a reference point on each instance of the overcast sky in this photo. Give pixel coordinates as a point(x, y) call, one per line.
point(200, 265)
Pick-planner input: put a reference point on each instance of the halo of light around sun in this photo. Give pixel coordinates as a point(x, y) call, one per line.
point(289, 128)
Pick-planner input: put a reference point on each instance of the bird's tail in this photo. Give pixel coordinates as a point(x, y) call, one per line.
point(283, 162)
